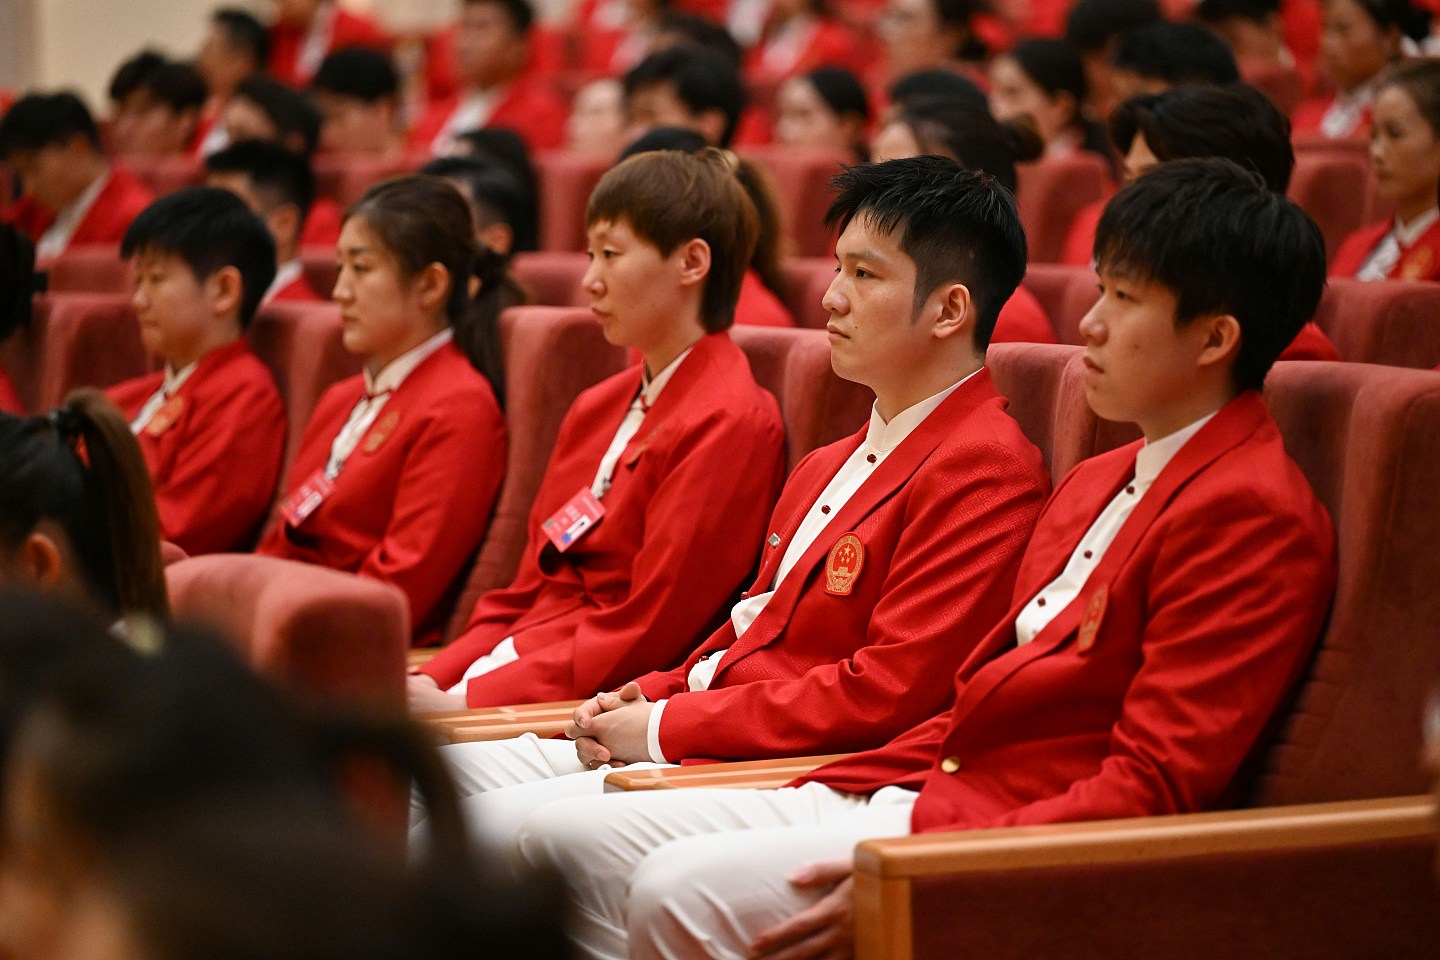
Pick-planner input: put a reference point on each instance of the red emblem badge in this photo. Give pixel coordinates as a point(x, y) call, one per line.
point(1417, 263)
point(381, 432)
point(843, 566)
point(166, 416)
point(1094, 613)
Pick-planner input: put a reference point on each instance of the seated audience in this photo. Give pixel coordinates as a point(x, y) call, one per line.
point(491, 57)
point(800, 36)
point(596, 126)
point(686, 87)
point(1166, 604)
point(497, 145)
point(236, 47)
point(399, 467)
point(1405, 154)
point(306, 31)
point(929, 35)
point(17, 290)
point(1255, 33)
point(655, 497)
point(358, 93)
point(968, 134)
point(77, 515)
point(928, 256)
point(1360, 39)
point(277, 185)
point(210, 424)
point(1161, 56)
point(497, 200)
point(70, 194)
point(1046, 80)
point(1095, 28)
point(155, 106)
point(825, 109)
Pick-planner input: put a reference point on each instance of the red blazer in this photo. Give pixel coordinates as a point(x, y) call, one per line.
point(1305, 119)
point(413, 501)
point(350, 30)
point(1023, 320)
point(216, 466)
point(120, 201)
point(758, 306)
point(1420, 262)
point(9, 399)
point(832, 45)
point(943, 522)
point(1200, 617)
point(298, 290)
point(322, 223)
point(1080, 241)
point(528, 107)
point(682, 520)
point(1310, 344)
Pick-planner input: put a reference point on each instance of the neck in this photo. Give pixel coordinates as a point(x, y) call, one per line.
point(223, 336)
point(380, 361)
point(1182, 414)
point(659, 357)
point(912, 386)
point(1415, 207)
point(86, 172)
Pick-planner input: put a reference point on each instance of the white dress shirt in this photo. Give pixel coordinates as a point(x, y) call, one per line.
point(470, 114)
point(55, 239)
point(317, 42)
point(504, 651)
point(1061, 591)
point(880, 441)
point(168, 385)
point(378, 387)
point(1388, 251)
point(285, 274)
point(1342, 118)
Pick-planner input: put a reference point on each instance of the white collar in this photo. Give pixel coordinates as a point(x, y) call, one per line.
point(67, 220)
point(397, 370)
point(285, 274)
point(175, 379)
point(885, 437)
point(650, 387)
point(1407, 233)
point(1153, 457)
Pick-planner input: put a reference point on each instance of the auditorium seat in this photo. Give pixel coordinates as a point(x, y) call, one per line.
point(1050, 192)
point(802, 180)
point(345, 179)
point(165, 174)
point(552, 277)
point(550, 355)
point(1045, 384)
point(1067, 293)
point(1333, 188)
point(320, 268)
point(85, 339)
point(565, 183)
point(806, 280)
point(1366, 437)
point(89, 269)
point(301, 344)
point(326, 633)
point(1391, 322)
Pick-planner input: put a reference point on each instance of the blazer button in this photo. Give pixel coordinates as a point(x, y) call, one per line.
point(950, 764)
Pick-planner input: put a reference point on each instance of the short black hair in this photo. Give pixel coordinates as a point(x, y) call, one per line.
point(282, 175)
point(39, 120)
point(494, 193)
point(1218, 11)
point(1092, 24)
point(176, 84)
point(243, 31)
point(696, 31)
point(1218, 238)
point(971, 135)
point(209, 229)
point(937, 83)
point(664, 138)
point(1411, 19)
point(505, 147)
point(17, 279)
point(359, 73)
point(956, 224)
point(1177, 53)
point(521, 14)
point(1236, 122)
point(702, 79)
point(841, 90)
point(289, 109)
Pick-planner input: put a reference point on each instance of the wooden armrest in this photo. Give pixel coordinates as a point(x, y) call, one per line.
point(500, 723)
point(750, 774)
point(1176, 877)
point(505, 730)
point(512, 712)
point(417, 658)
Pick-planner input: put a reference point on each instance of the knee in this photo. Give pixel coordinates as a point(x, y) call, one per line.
point(673, 912)
point(554, 837)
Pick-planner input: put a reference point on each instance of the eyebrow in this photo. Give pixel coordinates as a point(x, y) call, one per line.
point(355, 251)
point(870, 255)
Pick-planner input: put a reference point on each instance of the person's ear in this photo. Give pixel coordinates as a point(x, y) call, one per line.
point(42, 562)
point(225, 288)
point(498, 237)
point(1221, 343)
point(955, 315)
point(432, 286)
point(284, 224)
point(694, 257)
point(711, 125)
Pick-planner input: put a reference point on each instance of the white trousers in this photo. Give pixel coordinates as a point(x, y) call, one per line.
point(697, 873)
point(501, 782)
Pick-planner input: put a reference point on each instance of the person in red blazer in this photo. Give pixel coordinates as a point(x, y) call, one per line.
point(1359, 41)
point(823, 654)
point(399, 467)
point(306, 30)
point(210, 424)
point(799, 37)
point(1405, 153)
point(71, 194)
point(1165, 605)
point(1023, 320)
point(491, 53)
point(662, 476)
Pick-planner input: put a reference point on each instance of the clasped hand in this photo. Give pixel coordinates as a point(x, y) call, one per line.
point(612, 727)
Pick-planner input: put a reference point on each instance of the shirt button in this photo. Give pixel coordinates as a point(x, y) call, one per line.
point(950, 764)
point(1088, 554)
point(870, 458)
point(824, 508)
point(1040, 602)
point(1130, 489)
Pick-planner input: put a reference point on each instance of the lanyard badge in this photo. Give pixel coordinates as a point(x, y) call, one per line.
point(569, 525)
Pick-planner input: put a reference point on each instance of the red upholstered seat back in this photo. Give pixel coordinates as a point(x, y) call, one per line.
point(802, 181)
point(1331, 187)
point(1044, 383)
point(807, 279)
point(165, 174)
point(86, 339)
point(551, 354)
point(565, 183)
point(326, 633)
point(1390, 322)
point(552, 277)
point(93, 269)
point(1067, 293)
point(345, 179)
point(1050, 192)
point(1368, 439)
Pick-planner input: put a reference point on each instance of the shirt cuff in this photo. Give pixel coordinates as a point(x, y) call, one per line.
point(652, 733)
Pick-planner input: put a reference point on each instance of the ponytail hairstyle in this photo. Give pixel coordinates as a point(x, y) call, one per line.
point(81, 469)
point(967, 133)
point(761, 190)
point(423, 220)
